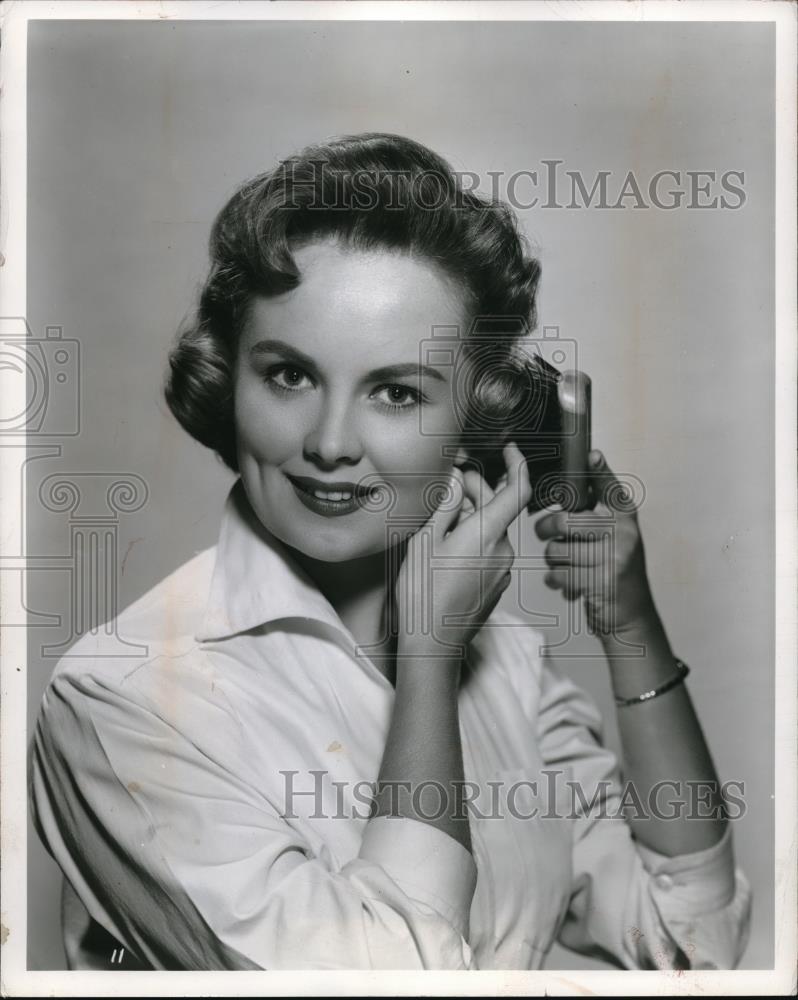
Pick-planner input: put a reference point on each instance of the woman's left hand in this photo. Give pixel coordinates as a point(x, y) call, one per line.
point(606, 567)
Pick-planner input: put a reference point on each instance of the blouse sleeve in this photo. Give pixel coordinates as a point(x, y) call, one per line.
point(631, 906)
point(190, 868)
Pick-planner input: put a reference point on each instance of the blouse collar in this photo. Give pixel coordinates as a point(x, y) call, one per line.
point(256, 580)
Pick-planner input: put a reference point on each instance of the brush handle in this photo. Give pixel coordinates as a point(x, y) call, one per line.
point(574, 396)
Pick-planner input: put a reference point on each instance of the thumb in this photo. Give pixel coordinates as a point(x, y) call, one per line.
point(605, 484)
point(601, 475)
point(449, 504)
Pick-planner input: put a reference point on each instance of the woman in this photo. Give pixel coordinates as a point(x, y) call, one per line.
point(338, 753)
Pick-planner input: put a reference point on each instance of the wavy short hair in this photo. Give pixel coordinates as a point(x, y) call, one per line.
point(368, 191)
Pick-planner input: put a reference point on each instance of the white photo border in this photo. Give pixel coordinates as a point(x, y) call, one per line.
point(16, 979)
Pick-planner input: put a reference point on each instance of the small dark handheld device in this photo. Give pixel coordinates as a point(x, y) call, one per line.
point(550, 422)
point(573, 394)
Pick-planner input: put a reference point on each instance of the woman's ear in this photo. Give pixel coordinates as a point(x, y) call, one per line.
point(461, 456)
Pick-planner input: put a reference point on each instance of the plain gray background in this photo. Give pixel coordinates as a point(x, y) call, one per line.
point(139, 131)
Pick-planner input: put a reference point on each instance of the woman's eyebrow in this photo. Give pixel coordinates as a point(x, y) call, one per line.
point(385, 373)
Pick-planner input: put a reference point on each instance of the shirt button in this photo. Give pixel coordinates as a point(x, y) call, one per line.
point(664, 881)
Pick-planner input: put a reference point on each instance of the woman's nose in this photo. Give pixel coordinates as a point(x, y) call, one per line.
point(334, 437)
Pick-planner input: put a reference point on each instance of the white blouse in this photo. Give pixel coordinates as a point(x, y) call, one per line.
point(208, 802)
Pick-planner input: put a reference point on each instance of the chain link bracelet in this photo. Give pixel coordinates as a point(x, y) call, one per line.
point(683, 669)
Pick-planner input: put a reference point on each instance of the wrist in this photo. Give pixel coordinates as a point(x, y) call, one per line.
point(640, 659)
point(433, 674)
point(410, 650)
point(645, 629)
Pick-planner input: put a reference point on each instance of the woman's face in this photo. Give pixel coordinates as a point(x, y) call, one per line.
point(333, 391)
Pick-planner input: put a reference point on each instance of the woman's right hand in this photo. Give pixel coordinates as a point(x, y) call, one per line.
point(457, 565)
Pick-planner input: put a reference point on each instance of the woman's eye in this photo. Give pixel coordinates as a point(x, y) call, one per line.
point(399, 397)
point(289, 378)
point(285, 378)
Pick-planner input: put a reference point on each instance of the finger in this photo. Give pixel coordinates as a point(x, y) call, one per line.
point(551, 525)
point(572, 524)
point(508, 502)
point(579, 552)
point(450, 505)
point(504, 549)
point(580, 579)
point(477, 489)
point(558, 579)
point(603, 480)
point(467, 510)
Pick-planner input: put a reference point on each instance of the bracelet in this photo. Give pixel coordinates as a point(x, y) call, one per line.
point(683, 669)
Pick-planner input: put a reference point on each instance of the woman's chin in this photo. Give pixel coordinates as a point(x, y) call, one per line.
point(327, 543)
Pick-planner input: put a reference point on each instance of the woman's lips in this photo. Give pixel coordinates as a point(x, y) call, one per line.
point(329, 499)
point(337, 490)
